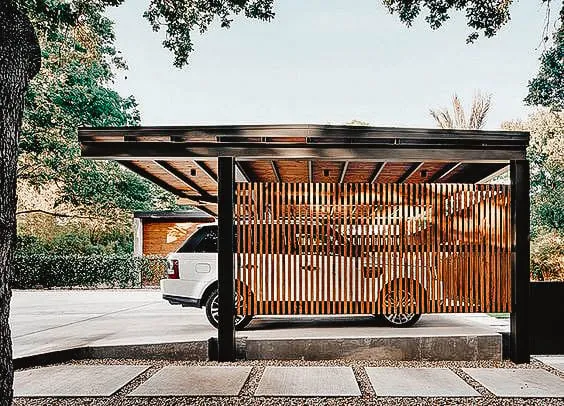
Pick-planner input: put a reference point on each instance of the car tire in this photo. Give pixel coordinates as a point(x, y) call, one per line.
point(212, 312)
point(397, 319)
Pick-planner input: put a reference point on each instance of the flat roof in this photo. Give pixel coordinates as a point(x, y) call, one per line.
point(183, 159)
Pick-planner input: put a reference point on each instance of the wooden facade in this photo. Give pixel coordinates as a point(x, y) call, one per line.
point(358, 248)
point(162, 232)
point(163, 237)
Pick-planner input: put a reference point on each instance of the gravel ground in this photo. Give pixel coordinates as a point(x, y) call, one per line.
point(246, 397)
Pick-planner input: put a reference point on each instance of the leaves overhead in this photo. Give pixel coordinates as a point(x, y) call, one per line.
point(182, 18)
point(484, 16)
point(547, 88)
point(73, 89)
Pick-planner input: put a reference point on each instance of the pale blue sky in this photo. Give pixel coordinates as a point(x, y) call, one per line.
point(328, 61)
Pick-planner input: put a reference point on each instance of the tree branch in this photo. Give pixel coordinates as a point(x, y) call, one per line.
point(57, 214)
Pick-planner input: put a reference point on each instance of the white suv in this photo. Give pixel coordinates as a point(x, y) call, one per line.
point(192, 279)
point(192, 275)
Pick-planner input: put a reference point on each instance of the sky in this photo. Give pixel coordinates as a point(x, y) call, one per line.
point(328, 61)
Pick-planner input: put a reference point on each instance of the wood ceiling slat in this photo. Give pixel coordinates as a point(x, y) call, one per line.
point(392, 172)
point(453, 173)
point(212, 165)
point(292, 171)
point(359, 172)
point(204, 166)
point(157, 171)
point(431, 168)
point(200, 178)
point(410, 172)
point(334, 169)
point(472, 172)
point(259, 171)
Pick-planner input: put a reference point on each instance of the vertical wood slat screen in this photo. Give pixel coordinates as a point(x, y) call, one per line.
point(356, 248)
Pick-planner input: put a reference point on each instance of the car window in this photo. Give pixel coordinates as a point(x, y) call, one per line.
point(201, 241)
point(208, 243)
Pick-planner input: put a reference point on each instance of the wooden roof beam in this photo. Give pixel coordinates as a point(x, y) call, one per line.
point(281, 151)
point(180, 176)
point(377, 171)
point(444, 171)
point(410, 172)
point(343, 171)
point(276, 172)
point(161, 183)
point(191, 133)
point(207, 170)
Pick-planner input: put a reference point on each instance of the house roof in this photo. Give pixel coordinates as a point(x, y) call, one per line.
point(196, 215)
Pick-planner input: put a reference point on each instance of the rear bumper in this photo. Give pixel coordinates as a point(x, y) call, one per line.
point(184, 301)
point(181, 292)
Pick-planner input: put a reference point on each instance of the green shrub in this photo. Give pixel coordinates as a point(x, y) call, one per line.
point(93, 271)
point(77, 242)
point(547, 257)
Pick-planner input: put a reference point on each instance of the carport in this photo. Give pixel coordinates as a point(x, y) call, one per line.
point(371, 204)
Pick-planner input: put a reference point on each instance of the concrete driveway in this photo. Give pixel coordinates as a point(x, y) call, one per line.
point(50, 320)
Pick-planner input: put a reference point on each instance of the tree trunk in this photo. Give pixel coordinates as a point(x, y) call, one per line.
point(20, 60)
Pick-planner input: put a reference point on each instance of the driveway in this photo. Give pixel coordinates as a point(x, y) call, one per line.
point(50, 320)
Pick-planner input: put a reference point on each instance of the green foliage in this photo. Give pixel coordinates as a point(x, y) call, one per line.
point(546, 157)
point(78, 241)
point(31, 245)
point(547, 257)
point(73, 89)
point(181, 18)
point(547, 88)
point(92, 271)
point(483, 16)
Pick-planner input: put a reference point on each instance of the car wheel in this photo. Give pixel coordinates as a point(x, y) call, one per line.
point(212, 313)
point(399, 319)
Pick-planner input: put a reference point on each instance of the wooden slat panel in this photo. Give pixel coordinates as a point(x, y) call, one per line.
point(315, 248)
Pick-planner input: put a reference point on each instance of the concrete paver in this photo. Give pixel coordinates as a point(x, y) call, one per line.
point(555, 361)
point(51, 320)
point(308, 381)
point(423, 382)
point(526, 383)
point(194, 381)
point(74, 380)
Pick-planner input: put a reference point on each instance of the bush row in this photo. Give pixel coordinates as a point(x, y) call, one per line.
point(93, 271)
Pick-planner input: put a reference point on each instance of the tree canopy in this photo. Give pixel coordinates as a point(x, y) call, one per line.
point(73, 89)
point(547, 88)
point(546, 155)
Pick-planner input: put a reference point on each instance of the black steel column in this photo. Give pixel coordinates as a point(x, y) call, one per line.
point(520, 250)
point(226, 277)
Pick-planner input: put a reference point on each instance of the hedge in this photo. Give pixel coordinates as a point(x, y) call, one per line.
point(93, 271)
